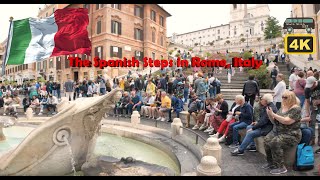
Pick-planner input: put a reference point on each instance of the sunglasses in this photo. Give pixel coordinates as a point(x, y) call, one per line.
point(284, 97)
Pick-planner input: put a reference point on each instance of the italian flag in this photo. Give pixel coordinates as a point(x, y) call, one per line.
point(65, 32)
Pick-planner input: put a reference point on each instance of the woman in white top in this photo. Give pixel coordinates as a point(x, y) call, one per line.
point(279, 90)
point(146, 105)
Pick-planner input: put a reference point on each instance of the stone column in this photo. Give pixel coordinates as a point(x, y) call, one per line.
point(2, 136)
point(208, 167)
point(29, 113)
point(176, 127)
point(212, 148)
point(135, 117)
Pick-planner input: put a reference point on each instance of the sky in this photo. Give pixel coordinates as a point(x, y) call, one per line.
point(185, 17)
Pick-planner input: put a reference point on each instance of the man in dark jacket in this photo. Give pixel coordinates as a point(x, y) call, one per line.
point(250, 90)
point(259, 128)
point(138, 83)
point(245, 119)
point(273, 75)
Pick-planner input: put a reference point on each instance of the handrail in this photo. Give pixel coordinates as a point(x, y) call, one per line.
point(156, 125)
point(197, 134)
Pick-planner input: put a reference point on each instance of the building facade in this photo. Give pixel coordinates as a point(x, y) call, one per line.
point(308, 10)
point(116, 31)
point(244, 22)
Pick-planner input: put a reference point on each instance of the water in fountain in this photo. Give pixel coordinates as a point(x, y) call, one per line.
point(71, 155)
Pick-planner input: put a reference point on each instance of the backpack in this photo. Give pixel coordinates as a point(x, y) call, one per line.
point(214, 83)
point(202, 87)
point(304, 158)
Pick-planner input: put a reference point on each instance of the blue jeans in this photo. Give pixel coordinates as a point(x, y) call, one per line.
point(130, 108)
point(306, 135)
point(178, 112)
point(249, 138)
point(103, 91)
point(235, 128)
point(202, 97)
point(55, 93)
point(301, 98)
point(58, 93)
point(185, 94)
point(212, 92)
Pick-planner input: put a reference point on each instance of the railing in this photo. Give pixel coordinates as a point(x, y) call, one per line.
point(197, 135)
point(156, 125)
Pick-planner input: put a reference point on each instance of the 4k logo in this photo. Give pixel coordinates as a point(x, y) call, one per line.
point(299, 44)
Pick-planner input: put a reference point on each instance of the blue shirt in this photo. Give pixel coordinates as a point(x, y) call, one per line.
point(246, 113)
point(136, 99)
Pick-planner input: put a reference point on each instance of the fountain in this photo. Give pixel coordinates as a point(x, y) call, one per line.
point(45, 151)
point(2, 137)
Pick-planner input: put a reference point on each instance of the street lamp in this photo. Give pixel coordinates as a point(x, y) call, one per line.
point(309, 30)
point(247, 40)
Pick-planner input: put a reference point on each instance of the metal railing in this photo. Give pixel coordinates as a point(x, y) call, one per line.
point(156, 125)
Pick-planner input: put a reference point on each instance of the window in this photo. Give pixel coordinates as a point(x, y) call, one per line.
point(161, 21)
point(51, 63)
point(161, 41)
point(58, 63)
point(53, 10)
point(26, 66)
point(115, 51)
point(153, 36)
point(99, 26)
point(44, 65)
point(139, 55)
point(99, 72)
point(116, 6)
point(138, 11)
point(153, 55)
point(115, 27)
point(153, 15)
point(218, 31)
point(87, 6)
point(138, 34)
point(38, 66)
point(66, 62)
point(99, 6)
point(218, 37)
point(85, 74)
point(98, 52)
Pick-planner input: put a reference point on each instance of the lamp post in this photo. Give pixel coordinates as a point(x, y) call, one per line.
point(247, 35)
point(271, 41)
point(309, 30)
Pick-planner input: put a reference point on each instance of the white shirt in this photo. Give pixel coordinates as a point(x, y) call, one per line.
point(210, 80)
point(293, 78)
point(151, 100)
point(190, 79)
point(278, 91)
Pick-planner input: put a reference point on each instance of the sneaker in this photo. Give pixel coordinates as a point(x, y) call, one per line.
point(268, 166)
point(40, 114)
point(236, 152)
point(211, 132)
point(222, 139)
point(195, 127)
point(234, 145)
point(252, 149)
point(279, 171)
point(163, 119)
point(169, 121)
point(208, 130)
point(202, 128)
point(158, 119)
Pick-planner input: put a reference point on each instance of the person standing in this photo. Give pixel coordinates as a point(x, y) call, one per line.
point(293, 79)
point(299, 90)
point(273, 75)
point(68, 88)
point(250, 90)
point(102, 83)
point(279, 90)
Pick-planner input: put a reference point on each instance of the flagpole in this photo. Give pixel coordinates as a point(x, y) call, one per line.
point(4, 63)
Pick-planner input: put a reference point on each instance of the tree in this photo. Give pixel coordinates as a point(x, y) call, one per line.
point(242, 39)
point(273, 29)
point(228, 42)
point(196, 44)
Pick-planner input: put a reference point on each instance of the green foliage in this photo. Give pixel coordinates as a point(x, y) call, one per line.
point(190, 49)
point(262, 75)
point(280, 46)
point(41, 79)
point(208, 54)
point(247, 55)
point(170, 52)
point(177, 55)
point(242, 39)
point(228, 42)
point(273, 29)
point(196, 44)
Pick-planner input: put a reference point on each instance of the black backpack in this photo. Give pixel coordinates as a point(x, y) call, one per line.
point(214, 83)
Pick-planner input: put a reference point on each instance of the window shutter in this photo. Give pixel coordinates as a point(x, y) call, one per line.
point(119, 6)
point(134, 33)
point(101, 52)
point(119, 29)
point(111, 51)
point(119, 52)
point(141, 12)
point(112, 26)
point(141, 35)
point(97, 6)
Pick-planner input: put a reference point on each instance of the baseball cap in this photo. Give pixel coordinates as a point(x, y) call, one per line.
point(309, 82)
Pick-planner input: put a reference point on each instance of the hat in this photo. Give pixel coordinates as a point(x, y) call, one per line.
point(310, 81)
